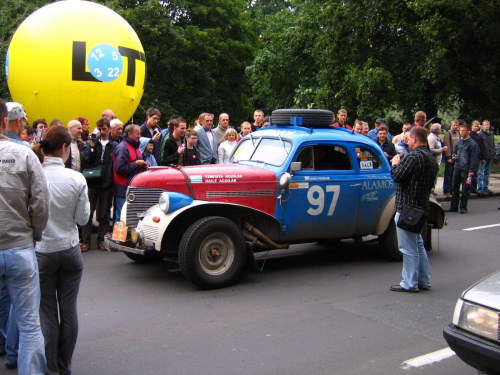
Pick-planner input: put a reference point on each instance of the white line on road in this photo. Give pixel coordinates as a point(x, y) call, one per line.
point(427, 359)
point(483, 227)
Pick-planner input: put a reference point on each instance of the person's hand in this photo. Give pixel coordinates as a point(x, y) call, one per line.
point(444, 149)
point(156, 137)
point(396, 159)
point(454, 157)
point(181, 150)
point(141, 163)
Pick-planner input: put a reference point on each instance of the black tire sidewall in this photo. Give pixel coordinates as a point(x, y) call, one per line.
point(190, 246)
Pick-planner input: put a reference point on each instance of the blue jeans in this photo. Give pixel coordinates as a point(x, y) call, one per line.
point(416, 269)
point(459, 178)
point(448, 176)
point(484, 176)
point(19, 271)
point(119, 202)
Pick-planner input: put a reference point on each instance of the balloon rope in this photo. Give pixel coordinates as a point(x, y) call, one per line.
point(142, 107)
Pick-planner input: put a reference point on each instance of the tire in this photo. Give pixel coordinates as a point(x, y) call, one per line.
point(320, 118)
point(389, 243)
point(149, 257)
point(199, 265)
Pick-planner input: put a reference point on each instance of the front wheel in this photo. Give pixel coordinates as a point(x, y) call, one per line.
point(212, 252)
point(389, 243)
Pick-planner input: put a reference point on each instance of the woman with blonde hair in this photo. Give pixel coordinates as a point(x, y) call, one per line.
point(227, 146)
point(58, 253)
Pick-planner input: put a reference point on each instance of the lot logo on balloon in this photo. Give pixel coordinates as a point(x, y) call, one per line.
point(105, 63)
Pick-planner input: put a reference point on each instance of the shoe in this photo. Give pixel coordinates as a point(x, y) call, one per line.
point(11, 366)
point(488, 191)
point(84, 247)
point(399, 288)
point(424, 286)
point(450, 210)
point(101, 246)
point(463, 211)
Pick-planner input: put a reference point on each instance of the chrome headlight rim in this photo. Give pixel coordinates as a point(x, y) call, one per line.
point(164, 202)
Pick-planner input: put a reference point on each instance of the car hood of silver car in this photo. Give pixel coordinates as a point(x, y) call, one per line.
point(485, 292)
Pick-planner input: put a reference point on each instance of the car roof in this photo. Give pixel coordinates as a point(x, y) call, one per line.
point(301, 134)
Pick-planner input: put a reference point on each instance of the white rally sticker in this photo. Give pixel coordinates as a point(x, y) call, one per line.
point(366, 164)
point(299, 185)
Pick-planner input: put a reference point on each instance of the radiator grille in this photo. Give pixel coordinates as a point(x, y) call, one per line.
point(139, 200)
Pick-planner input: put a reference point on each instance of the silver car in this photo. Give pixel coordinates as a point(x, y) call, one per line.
point(474, 332)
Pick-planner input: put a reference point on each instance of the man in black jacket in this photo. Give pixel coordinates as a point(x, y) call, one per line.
point(97, 155)
point(174, 146)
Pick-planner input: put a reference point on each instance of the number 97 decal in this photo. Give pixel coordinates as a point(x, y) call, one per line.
point(316, 198)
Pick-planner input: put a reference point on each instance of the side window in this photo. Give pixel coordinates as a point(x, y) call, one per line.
point(324, 157)
point(305, 157)
point(367, 159)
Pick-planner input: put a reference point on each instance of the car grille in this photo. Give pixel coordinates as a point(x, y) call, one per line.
point(139, 200)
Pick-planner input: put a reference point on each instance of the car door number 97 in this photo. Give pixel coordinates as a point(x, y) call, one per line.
point(316, 198)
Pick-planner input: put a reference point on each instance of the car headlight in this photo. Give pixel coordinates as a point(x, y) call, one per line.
point(476, 319)
point(164, 202)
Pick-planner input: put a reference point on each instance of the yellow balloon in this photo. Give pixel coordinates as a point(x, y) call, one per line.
point(76, 58)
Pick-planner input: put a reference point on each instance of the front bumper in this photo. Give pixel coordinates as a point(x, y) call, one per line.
point(112, 245)
point(475, 351)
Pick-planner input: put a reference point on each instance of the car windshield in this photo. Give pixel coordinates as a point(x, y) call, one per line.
point(262, 150)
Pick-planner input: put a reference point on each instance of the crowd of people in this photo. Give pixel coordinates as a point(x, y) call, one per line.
point(48, 220)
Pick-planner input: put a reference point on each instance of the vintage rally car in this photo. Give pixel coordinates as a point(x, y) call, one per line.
point(297, 181)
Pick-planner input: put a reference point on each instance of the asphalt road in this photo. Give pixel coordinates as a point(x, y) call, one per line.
point(313, 310)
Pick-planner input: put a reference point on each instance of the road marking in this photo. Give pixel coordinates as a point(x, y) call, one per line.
point(427, 359)
point(483, 227)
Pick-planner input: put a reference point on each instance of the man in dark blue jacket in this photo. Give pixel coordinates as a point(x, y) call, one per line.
point(466, 159)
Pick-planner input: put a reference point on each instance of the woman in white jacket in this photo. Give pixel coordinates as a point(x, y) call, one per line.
point(227, 146)
point(58, 253)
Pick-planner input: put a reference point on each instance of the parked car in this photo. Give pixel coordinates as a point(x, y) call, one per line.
point(474, 332)
point(298, 180)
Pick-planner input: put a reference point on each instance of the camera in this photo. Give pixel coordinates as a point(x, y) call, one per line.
point(96, 135)
point(39, 134)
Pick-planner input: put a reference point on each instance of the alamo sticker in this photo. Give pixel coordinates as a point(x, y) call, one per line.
point(299, 185)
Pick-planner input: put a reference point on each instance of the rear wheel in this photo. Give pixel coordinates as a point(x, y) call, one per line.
point(389, 243)
point(212, 252)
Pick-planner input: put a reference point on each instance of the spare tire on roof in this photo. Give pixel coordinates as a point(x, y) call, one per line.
point(312, 117)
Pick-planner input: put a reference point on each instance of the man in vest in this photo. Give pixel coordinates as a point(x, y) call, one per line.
point(127, 162)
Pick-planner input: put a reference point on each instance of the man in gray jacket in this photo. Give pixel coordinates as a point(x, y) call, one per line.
point(487, 140)
point(24, 207)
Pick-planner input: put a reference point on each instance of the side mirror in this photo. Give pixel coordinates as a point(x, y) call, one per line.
point(295, 166)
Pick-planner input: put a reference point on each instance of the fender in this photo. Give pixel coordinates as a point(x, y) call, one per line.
point(386, 216)
point(165, 232)
point(436, 215)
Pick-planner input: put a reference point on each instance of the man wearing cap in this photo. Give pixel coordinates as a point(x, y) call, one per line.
point(373, 133)
point(15, 125)
point(24, 206)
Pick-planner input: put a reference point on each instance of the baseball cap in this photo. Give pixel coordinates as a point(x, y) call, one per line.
point(15, 111)
point(380, 121)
